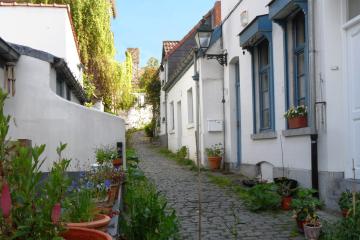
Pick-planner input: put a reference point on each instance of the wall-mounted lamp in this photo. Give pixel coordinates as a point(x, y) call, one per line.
point(244, 18)
point(203, 39)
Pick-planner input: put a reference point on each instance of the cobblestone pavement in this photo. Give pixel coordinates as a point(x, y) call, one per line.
point(179, 185)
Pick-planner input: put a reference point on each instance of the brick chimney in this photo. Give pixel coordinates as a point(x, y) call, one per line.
point(216, 14)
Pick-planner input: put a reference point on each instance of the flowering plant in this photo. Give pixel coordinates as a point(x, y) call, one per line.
point(215, 150)
point(293, 112)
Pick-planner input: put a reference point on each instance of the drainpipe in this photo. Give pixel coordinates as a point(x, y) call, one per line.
point(166, 120)
point(312, 74)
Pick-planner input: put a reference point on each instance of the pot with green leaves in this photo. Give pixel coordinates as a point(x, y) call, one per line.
point(297, 117)
point(346, 201)
point(80, 211)
point(214, 154)
point(312, 227)
point(304, 204)
point(285, 190)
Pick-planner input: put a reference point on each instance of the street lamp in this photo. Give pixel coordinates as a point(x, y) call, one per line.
point(203, 39)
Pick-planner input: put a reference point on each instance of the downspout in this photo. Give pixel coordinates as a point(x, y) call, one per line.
point(226, 166)
point(312, 74)
point(166, 120)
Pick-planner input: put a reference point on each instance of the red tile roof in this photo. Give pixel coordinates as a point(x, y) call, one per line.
point(168, 46)
point(13, 3)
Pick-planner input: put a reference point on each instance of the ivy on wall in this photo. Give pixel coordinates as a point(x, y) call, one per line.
point(104, 78)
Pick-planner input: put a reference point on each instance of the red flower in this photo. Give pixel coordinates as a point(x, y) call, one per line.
point(55, 214)
point(5, 203)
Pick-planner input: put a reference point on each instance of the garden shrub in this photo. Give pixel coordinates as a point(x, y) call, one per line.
point(262, 196)
point(146, 215)
point(150, 128)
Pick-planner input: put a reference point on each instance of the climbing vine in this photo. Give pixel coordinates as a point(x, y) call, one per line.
point(104, 78)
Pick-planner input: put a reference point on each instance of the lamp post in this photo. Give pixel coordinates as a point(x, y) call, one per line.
point(203, 40)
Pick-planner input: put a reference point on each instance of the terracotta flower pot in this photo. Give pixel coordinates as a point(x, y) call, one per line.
point(286, 203)
point(74, 233)
point(117, 162)
point(100, 223)
point(214, 162)
point(297, 122)
point(300, 225)
point(312, 232)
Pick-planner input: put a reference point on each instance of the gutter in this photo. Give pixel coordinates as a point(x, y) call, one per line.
point(312, 105)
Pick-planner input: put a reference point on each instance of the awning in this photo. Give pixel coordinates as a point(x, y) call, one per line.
point(280, 9)
point(260, 27)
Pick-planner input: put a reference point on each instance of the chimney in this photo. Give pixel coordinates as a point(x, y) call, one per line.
point(216, 15)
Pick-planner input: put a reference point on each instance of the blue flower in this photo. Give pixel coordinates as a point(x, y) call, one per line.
point(107, 183)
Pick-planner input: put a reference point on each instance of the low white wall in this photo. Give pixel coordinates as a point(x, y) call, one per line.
point(45, 118)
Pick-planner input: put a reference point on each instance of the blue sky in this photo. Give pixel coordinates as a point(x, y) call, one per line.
point(146, 23)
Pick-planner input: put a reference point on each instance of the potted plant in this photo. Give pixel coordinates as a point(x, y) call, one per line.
point(297, 117)
point(312, 228)
point(75, 233)
point(80, 211)
point(304, 204)
point(214, 154)
point(285, 190)
point(345, 202)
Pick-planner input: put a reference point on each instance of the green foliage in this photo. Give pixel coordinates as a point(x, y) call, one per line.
point(150, 128)
point(80, 206)
point(345, 229)
point(219, 180)
point(262, 196)
point(215, 150)
point(182, 152)
point(105, 155)
point(304, 204)
point(104, 77)
point(179, 157)
point(298, 111)
point(147, 216)
point(346, 200)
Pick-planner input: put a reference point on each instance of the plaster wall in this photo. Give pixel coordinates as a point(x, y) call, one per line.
point(43, 28)
point(179, 93)
point(211, 107)
point(296, 150)
point(45, 118)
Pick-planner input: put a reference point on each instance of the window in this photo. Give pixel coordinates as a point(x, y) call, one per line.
point(190, 106)
point(60, 86)
point(264, 90)
point(68, 93)
point(353, 9)
point(172, 116)
point(296, 59)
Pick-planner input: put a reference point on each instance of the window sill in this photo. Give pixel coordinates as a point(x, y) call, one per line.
point(171, 132)
point(264, 135)
point(190, 125)
point(307, 131)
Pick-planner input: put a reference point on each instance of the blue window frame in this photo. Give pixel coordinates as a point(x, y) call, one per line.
point(299, 64)
point(264, 86)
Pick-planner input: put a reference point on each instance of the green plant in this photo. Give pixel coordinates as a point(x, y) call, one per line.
point(284, 189)
point(344, 229)
point(294, 112)
point(215, 150)
point(182, 152)
point(150, 128)
point(305, 204)
point(105, 155)
point(346, 200)
point(147, 215)
point(80, 206)
point(262, 196)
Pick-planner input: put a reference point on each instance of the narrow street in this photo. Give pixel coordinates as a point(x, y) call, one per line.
point(179, 185)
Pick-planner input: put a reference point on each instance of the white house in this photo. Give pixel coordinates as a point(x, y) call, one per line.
point(284, 53)
point(42, 72)
point(182, 100)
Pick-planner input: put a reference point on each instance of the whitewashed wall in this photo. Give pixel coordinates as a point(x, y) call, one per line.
point(179, 93)
point(42, 28)
point(45, 118)
point(297, 151)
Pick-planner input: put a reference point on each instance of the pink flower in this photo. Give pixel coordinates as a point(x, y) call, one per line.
point(5, 203)
point(55, 214)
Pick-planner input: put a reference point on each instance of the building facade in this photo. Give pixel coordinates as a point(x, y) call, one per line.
point(40, 69)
